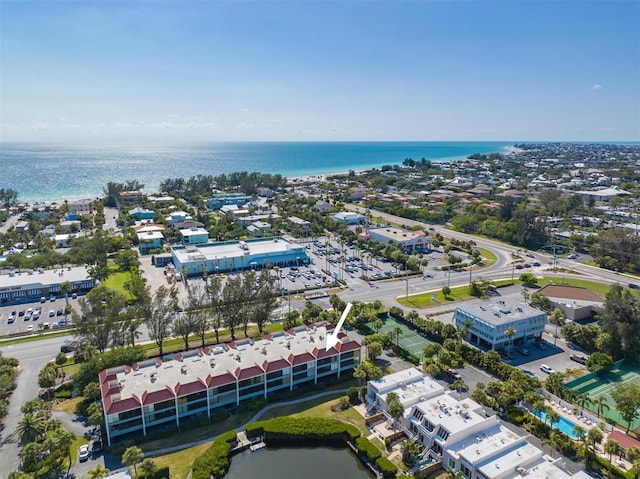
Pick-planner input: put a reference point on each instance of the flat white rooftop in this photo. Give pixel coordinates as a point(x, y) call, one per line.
point(36, 279)
point(546, 469)
point(392, 381)
point(230, 249)
point(501, 311)
point(413, 393)
point(483, 446)
point(194, 232)
point(505, 464)
point(451, 414)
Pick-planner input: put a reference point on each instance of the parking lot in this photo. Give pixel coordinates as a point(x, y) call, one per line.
point(35, 316)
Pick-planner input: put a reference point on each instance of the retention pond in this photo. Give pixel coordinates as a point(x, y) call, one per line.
point(294, 463)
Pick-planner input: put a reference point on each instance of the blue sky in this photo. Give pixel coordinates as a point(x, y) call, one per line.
point(162, 71)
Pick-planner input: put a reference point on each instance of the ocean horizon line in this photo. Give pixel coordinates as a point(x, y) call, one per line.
point(56, 171)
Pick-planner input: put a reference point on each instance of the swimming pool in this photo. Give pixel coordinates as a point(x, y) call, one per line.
point(563, 424)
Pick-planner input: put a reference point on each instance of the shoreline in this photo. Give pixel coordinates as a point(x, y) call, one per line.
point(78, 182)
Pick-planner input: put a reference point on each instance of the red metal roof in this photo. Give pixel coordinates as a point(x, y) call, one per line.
point(114, 407)
point(323, 353)
point(190, 388)
point(158, 396)
point(302, 358)
point(349, 346)
point(624, 440)
point(249, 372)
point(276, 365)
point(222, 380)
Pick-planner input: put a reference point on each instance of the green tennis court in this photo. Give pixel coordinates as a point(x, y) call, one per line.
point(600, 387)
point(409, 339)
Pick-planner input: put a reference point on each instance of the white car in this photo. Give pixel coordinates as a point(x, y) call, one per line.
point(52, 312)
point(547, 369)
point(30, 328)
point(83, 452)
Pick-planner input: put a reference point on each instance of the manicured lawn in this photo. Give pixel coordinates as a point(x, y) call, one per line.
point(36, 337)
point(180, 462)
point(198, 432)
point(68, 405)
point(424, 300)
point(489, 257)
point(116, 280)
point(599, 288)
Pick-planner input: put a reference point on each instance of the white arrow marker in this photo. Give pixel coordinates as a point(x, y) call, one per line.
point(332, 339)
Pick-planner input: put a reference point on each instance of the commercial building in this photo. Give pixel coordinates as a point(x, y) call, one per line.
point(153, 396)
point(149, 241)
point(410, 240)
point(575, 302)
point(29, 286)
point(349, 218)
point(226, 256)
point(458, 433)
point(217, 201)
point(488, 322)
point(142, 213)
point(194, 236)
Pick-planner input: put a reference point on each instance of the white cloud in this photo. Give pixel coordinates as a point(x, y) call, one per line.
point(597, 86)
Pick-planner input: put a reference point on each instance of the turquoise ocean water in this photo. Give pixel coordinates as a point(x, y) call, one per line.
point(47, 172)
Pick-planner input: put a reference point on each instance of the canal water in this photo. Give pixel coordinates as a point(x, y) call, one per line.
point(295, 463)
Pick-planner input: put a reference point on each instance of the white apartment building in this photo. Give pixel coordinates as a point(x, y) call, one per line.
point(458, 432)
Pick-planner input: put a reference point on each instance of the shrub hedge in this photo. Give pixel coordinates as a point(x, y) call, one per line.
point(387, 468)
point(367, 449)
point(161, 473)
point(215, 460)
point(287, 430)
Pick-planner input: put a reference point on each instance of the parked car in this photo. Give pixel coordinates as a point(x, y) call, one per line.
point(453, 375)
point(578, 358)
point(522, 350)
point(96, 445)
point(52, 313)
point(547, 369)
point(541, 345)
point(634, 286)
point(83, 452)
point(59, 311)
point(505, 354)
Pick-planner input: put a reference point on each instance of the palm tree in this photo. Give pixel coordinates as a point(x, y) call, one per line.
point(601, 405)
point(459, 385)
point(148, 467)
point(594, 437)
point(510, 333)
point(132, 457)
point(454, 475)
point(397, 331)
point(555, 441)
point(98, 472)
point(30, 427)
point(611, 447)
point(466, 326)
point(66, 289)
point(552, 416)
point(583, 399)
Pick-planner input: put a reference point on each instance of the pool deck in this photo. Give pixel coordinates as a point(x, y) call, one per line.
point(587, 421)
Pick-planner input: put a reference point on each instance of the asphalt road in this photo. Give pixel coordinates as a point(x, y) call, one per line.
point(33, 356)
